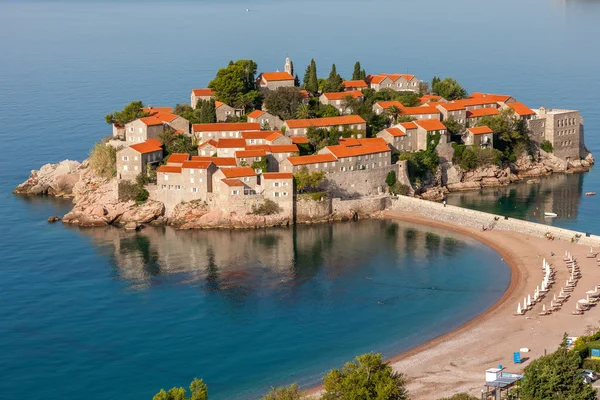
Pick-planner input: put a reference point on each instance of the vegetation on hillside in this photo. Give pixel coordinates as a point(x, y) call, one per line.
point(311, 81)
point(204, 113)
point(334, 81)
point(510, 133)
point(306, 181)
point(198, 391)
point(174, 142)
point(130, 112)
point(284, 102)
point(268, 207)
point(358, 73)
point(235, 85)
point(546, 145)
point(448, 88)
point(471, 157)
point(103, 160)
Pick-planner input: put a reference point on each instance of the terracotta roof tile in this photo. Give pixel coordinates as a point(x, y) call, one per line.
point(250, 153)
point(431, 124)
point(521, 109)
point(451, 106)
point(355, 84)
point(429, 97)
point(340, 151)
point(238, 172)
point(226, 127)
point(210, 142)
point(322, 122)
point(178, 158)
point(419, 110)
point(256, 114)
point(264, 147)
point(232, 182)
point(155, 110)
point(194, 164)
point(395, 132)
point(203, 92)
point(341, 95)
point(169, 169)
point(496, 97)
point(482, 112)
point(284, 148)
point(374, 79)
point(387, 104)
point(218, 161)
point(149, 146)
point(299, 139)
point(273, 136)
point(395, 77)
point(408, 125)
point(312, 159)
point(277, 76)
point(231, 143)
point(481, 101)
point(480, 130)
point(151, 121)
point(277, 175)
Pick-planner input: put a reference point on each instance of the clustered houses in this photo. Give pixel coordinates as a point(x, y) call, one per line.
point(149, 127)
point(397, 82)
point(480, 136)
point(133, 160)
point(350, 86)
point(225, 112)
point(299, 127)
point(338, 99)
point(203, 132)
point(266, 120)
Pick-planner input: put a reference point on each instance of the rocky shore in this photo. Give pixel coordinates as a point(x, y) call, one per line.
point(96, 199)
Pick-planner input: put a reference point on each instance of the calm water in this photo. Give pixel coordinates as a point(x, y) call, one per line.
point(126, 314)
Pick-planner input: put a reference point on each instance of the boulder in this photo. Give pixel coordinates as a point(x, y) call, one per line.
point(53, 219)
point(52, 179)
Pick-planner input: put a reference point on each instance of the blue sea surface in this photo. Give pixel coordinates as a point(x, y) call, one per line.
point(102, 313)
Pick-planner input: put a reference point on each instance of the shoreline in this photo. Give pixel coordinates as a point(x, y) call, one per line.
point(455, 361)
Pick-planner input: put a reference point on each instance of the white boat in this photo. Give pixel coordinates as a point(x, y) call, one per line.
point(550, 214)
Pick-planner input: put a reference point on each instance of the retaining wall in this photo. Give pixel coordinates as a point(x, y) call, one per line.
point(477, 219)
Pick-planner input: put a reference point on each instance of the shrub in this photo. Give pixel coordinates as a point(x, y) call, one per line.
point(132, 191)
point(420, 163)
point(103, 160)
point(291, 392)
point(390, 179)
point(268, 207)
point(546, 146)
point(399, 188)
point(460, 396)
point(594, 365)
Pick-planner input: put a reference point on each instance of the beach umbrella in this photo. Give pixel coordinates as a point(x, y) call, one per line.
point(528, 300)
point(590, 292)
point(519, 309)
point(582, 301)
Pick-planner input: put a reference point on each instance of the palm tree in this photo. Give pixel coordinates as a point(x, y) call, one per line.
point(303, 111)
point(394, 113)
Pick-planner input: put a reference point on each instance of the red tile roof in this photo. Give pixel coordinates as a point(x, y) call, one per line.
point(178, 158)
point(321, 122)
point(451, 106)
point(481, 101)
point(395, 132)
point(231, 143)
point(374, 79)
point(370, 141)
point(250, 153)
point(387, 104)
point(431, 124)
point(210, 142)
point(277, 76)
point(521, 109)
point(169, 169)
point(304, 93)
point(395, 77)
point(264, 147)
point(355, 84)
point(342, 151)
point(482, 112)
point(408, 125)
point(238, 172)
point(149, 146)
point(429, 97)
point(218, 161)
point(277, 175)
point(480, 130)
point(349, 142)
point(232, 182)
point(203, 92)
point(341, 95)
point(257, 134)
point(255, 114)
point(299, 139)
point(155, 110)
point(194, 164)
point(496, 97)
point(312, 159)
point(226, 127)
point(151, 121)
point(273, 136)
point(284, 148)
point(419, 110)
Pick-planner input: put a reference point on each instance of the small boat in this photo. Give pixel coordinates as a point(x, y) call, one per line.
point(590, 193)
point(550, 214)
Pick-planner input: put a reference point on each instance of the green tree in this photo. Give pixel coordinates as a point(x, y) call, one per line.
point(510, 133)
point(284, 102)
point(291, 392)
point(311, 83)
point(327, 110)
point(554, 377)
point(308, 181)
point(448, 88)
point(304, 111)
point(390, 179)
point(366, 378)
point(350, 105)
point(296, 80)
point(358, 73)
point(204, 112)
point(394, 113)
point(235, 84)
point(198, 389)
point(546, 145)
point(130, 112)
point(334, 82)
point(454, 127)
point(103, 160)
point(176, 143)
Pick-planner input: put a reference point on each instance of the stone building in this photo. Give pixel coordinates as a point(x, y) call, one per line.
point(501, 99)
point(430, 127)
point(278, 153)
point(423, 112)
point(350, 86)
point(208, 148)
point(295, 127)
point(268, 81)
point(237, 181)
point(150, 127)
point(521, 111)
point(454, 111)
point(397, 82)
point(477, 103)
point(246, 158)
point(220, 162)
point(480, 136)
point(278, 186)
point(562, 128)
point(200, 94)
point(337, 100)
point(132, 160)
point(475, 116)
point(226, 147)
point(266, 120)
point(188, 182)
point(400, 137)
point(204, 132)
point(225, 112)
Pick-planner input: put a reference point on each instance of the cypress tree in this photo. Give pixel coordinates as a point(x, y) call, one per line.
point(296, 81)
point(313, 82)
point(334, 82)
point(357, 72)
point(292, 68)
point(211, 111)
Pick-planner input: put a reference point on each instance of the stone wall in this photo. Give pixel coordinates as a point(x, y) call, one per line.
point(357, 183)
point(308, 211)
point(311, 211)
point(477, 219)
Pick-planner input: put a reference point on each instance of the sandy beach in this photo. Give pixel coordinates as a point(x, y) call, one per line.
point(456, 362)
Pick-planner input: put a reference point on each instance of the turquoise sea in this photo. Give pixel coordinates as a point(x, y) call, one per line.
point(104, 314)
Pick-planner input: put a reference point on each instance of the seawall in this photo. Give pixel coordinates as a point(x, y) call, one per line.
point(477, 219)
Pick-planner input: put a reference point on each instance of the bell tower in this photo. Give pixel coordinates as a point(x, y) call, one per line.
point(288, 66)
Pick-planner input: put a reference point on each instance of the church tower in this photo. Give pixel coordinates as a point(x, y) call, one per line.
point(288, 66)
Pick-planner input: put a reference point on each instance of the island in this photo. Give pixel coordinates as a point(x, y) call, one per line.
point(268, 150)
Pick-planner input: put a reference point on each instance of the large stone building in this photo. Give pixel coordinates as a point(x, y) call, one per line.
point(200, 94)
point(562, 128)
point(338, 100)
point(133, 160)
point(480, 136)
point(295, 127)
point(204, 132)
point(266, 120)
point(397, 82)
point(268, 81)
point(226, 112)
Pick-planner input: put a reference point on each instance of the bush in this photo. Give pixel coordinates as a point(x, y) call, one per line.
point(546, 146)
point(268, 207)
point(469, 158)
point(420, 163)
point(103, 160)
point(390, 179)
point(594, 365)
point(132, 191)
point(399, 188)
point(291, 392)
point(460, 396)
point(316, 196)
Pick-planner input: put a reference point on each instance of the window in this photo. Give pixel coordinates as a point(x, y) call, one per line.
point(199, 180)
point(163, 187)
point(275, 184)
point(194, 190)
point(131, 129)
point(178, 187)
point(125, 158)
point(230, 134)
point(235, 192)
point(191, 180)
point(166, 177)
point(135, 158)
point(191, 171)
point(276, 194)
point(252, 141)
point(125, 168)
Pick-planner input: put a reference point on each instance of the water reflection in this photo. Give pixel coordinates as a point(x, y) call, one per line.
point(558, 193)
point(237, 263)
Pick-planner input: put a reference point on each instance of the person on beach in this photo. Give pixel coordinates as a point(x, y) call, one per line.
point(444, 202)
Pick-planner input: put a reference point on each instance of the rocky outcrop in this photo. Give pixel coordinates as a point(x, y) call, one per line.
point(197, 215)
point(52, 179)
